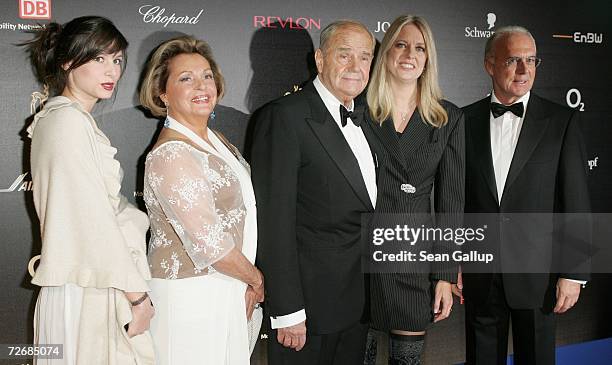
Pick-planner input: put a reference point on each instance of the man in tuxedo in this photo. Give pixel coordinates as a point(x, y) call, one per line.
point(314, 175)
point(524, 154)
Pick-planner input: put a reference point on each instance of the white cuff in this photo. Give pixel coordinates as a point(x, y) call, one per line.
point(581, 282)
point(288, 320)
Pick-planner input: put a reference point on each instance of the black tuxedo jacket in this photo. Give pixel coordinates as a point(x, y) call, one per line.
point(547, 175)
point(310, 196)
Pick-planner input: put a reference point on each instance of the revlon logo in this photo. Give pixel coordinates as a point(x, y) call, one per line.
point(261, 21)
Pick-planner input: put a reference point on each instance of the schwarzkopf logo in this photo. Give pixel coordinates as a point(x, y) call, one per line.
point(593, 163)
point(474, 32)
point(20, 184)
point(155, 14)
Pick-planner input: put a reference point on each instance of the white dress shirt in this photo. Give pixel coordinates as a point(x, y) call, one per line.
point(361, 149)
point(505, 132)
point(354, 137)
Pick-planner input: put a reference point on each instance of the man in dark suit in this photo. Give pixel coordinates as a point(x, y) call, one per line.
point(314, 175)
point(524, 154)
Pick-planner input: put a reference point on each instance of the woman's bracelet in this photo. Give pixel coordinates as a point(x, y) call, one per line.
point(140, 300)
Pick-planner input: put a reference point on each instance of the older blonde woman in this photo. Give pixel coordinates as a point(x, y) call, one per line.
point(202, 209)
point(424, 139)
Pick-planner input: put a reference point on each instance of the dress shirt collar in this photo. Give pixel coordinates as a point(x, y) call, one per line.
point(331, 102)
point(523, 99)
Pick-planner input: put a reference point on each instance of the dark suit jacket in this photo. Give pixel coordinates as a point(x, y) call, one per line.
point(424, 157)
point(429, 159)
point(310, 197)
point(547, 175)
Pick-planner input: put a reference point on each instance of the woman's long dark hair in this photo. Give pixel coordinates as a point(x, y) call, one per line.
point(73, 44)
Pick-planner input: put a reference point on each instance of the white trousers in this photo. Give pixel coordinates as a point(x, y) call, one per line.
point(200, 320)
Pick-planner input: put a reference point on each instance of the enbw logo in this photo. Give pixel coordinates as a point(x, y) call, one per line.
point(35, 9)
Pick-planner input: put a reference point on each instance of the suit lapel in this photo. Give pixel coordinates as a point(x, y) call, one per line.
point(388, 138)
point(373, 141)
point(417, 133)
point(333, 141)
point(481, 143)
point(534, 126)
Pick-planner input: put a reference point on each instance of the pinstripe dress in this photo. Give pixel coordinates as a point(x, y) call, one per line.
point(424, 157)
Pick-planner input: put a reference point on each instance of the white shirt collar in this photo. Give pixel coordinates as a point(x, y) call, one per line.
point(523, 99)
point(331, 102)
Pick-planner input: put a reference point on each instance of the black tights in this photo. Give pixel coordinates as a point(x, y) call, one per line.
point(403, 349)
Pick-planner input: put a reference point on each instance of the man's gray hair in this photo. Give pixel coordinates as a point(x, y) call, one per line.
point(328, 32)
point(504, 32)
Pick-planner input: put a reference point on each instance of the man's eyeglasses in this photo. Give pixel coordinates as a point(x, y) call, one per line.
point(531, 62)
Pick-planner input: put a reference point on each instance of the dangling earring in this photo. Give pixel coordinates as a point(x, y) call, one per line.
point(166, 122)
point(164, 101)
point(213, 115)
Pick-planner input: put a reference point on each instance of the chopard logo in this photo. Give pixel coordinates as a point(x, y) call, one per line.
point(20, 184)
point(155, 14)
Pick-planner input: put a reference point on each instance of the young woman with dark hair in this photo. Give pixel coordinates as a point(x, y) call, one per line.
point(93, 269)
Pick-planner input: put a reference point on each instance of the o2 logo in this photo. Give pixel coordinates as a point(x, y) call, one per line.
point(574, 99)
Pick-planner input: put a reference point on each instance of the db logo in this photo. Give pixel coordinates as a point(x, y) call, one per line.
point(35, 9)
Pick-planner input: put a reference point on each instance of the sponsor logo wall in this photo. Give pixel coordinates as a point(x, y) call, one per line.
point(265, 51)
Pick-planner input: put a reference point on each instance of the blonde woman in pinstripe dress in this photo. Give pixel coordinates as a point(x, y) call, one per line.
point(423, 137)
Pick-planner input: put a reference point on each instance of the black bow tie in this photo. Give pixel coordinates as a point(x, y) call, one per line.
point(344, 114)
point(499, 109)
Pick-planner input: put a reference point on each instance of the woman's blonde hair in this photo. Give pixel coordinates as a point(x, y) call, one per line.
point(429, 95)
point(156, 76)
